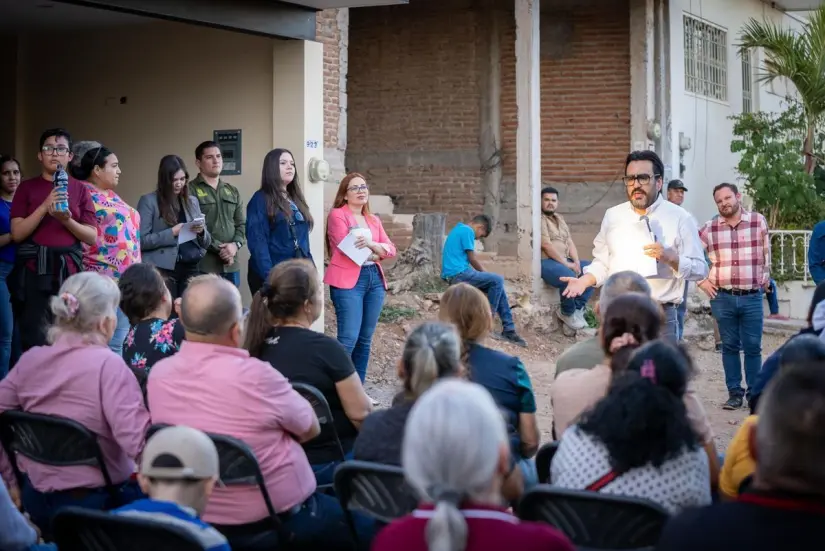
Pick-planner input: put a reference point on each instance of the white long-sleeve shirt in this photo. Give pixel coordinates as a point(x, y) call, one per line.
point(673, 226)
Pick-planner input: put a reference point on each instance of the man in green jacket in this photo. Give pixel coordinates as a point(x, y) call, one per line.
point(223, 210)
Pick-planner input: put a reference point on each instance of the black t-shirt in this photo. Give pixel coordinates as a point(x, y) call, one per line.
point(148, 342)
point(306, 356)
point(759, 521)
point(189, 252)
point(382, 434)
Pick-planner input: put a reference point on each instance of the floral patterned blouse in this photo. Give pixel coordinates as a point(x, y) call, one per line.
point(150, 341)
point(118, 235)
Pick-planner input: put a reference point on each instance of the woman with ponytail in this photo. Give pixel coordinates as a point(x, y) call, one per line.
point(279, 331)
point(456, 456)
point(638, 441)
point(431, 353)
point(504, 376)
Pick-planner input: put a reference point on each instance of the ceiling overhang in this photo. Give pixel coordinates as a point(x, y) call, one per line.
point(797, 5)
point(333, 4)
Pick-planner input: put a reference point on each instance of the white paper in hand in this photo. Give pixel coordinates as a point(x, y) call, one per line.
point(347, 246)
point(186, 234)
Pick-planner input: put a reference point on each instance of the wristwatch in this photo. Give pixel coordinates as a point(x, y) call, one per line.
point(238, 244)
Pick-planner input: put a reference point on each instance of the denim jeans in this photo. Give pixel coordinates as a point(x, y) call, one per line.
point(552, 271)
point(740, 320)
point(319, 523)
point(528, 472)
point(680, 313)
point(325, 472)
point(122, 329)
point(773, 300)
point(7, 325)
point(493, 286)
point(670, 330)
point(43, 506)
point(357, 311)
point(232, 277)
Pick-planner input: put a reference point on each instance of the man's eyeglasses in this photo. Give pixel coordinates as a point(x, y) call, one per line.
point(642, 179)
point(362, 187)
point(55, 149)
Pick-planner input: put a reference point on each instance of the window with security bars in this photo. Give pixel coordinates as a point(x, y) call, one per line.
point(706, 59)
point(747, 82)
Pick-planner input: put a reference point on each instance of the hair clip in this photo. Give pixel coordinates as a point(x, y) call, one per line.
point(72, 304)
point(648, 371)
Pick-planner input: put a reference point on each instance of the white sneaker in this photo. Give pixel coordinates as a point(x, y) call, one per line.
point(373, 401)
point(572, 321)
point(580, 314)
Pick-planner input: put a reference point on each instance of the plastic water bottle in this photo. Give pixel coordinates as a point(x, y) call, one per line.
point(61, 183)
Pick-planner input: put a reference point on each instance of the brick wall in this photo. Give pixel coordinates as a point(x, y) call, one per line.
point(413, 114)
point(328, 33)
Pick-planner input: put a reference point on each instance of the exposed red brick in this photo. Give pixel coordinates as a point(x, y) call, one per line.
point(328, 33)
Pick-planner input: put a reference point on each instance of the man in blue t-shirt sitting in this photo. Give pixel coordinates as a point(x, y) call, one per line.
point(459, 264)
point(178, 472)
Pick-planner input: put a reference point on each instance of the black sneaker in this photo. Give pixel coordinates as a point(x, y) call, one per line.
point(734, 402)
point(719, 347)
point(514, 338)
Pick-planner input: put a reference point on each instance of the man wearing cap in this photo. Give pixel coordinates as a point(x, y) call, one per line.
point(178, 472)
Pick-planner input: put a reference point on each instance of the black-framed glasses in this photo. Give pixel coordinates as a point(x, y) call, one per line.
point(55, 149)
point(642, 179)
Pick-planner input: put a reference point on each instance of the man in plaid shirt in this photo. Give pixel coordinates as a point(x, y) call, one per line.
point(739, 249)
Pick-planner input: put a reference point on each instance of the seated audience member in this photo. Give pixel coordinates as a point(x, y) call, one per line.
point(638, 441)
point(739, 464)
point(431, 353)
point(16, 532)
point(560, 258)
point(588, 353)
point(504, 376)
point(147, 302)
point(78, 377)
point(215, 386)
point(460, 265)
point(455, 456)
point(178, 472)
point(279, 332)
point(816, 323)
point(629, 321)
point(784, 507)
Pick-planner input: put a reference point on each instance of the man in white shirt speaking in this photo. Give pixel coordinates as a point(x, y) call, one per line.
point(672, 238)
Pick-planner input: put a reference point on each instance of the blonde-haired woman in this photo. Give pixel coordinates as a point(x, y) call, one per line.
point(456, 456)
point(78, 377)
point(432, 352)
point(357, 290)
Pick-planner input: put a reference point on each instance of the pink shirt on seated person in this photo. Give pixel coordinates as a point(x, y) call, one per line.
point(89, 384)
point(223, 390)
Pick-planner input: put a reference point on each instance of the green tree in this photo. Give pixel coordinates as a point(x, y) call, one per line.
point(798, 57)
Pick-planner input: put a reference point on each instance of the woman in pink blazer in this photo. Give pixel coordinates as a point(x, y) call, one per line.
point(357, 292)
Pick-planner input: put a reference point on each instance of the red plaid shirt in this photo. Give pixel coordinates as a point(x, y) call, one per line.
point(740, 256)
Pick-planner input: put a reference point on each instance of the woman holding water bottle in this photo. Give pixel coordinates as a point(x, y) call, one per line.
point(51, 215)
point(118, 243)
point(356, 284)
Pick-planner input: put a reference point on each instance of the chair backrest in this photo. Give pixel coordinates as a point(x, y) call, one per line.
point(237, 463)
point(50, 440)
point(544, 458)
point(377, 490)
point(594, 520)
point(324, 414)
point(78, 529)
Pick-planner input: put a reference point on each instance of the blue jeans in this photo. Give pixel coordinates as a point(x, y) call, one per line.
point(43, 506)
point(122, 329)
point(680, 313)
point(325, 472)
point(528, 472)
point(552, 271)
point(7, 325)
point(740, 320)
point(232, 277)
point(773, 300)
point(357, 311)
point(670, 330)
point(493, 287)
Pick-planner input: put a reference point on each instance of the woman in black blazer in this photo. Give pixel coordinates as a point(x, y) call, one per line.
point(163, 214)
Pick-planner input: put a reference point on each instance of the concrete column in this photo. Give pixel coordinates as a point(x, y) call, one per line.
point(528, 139)
point(298, 124)
point(642, 72)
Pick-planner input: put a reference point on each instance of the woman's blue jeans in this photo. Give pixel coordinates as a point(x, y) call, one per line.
point(357, 311)
point(122, 329)
point(9, 338)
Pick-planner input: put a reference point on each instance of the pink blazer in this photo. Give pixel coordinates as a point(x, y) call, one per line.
point(342, 272)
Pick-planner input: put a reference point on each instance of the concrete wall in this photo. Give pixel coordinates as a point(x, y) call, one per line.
point(706, 122)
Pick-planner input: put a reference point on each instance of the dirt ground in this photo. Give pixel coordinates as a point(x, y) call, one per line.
point(540, 357)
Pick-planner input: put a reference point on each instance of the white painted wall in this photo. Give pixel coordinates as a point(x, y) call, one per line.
point(706, 122)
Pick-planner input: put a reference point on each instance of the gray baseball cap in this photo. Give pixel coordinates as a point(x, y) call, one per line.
point(178, 453)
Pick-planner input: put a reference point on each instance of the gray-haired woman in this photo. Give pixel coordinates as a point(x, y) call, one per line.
point(456, 456)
